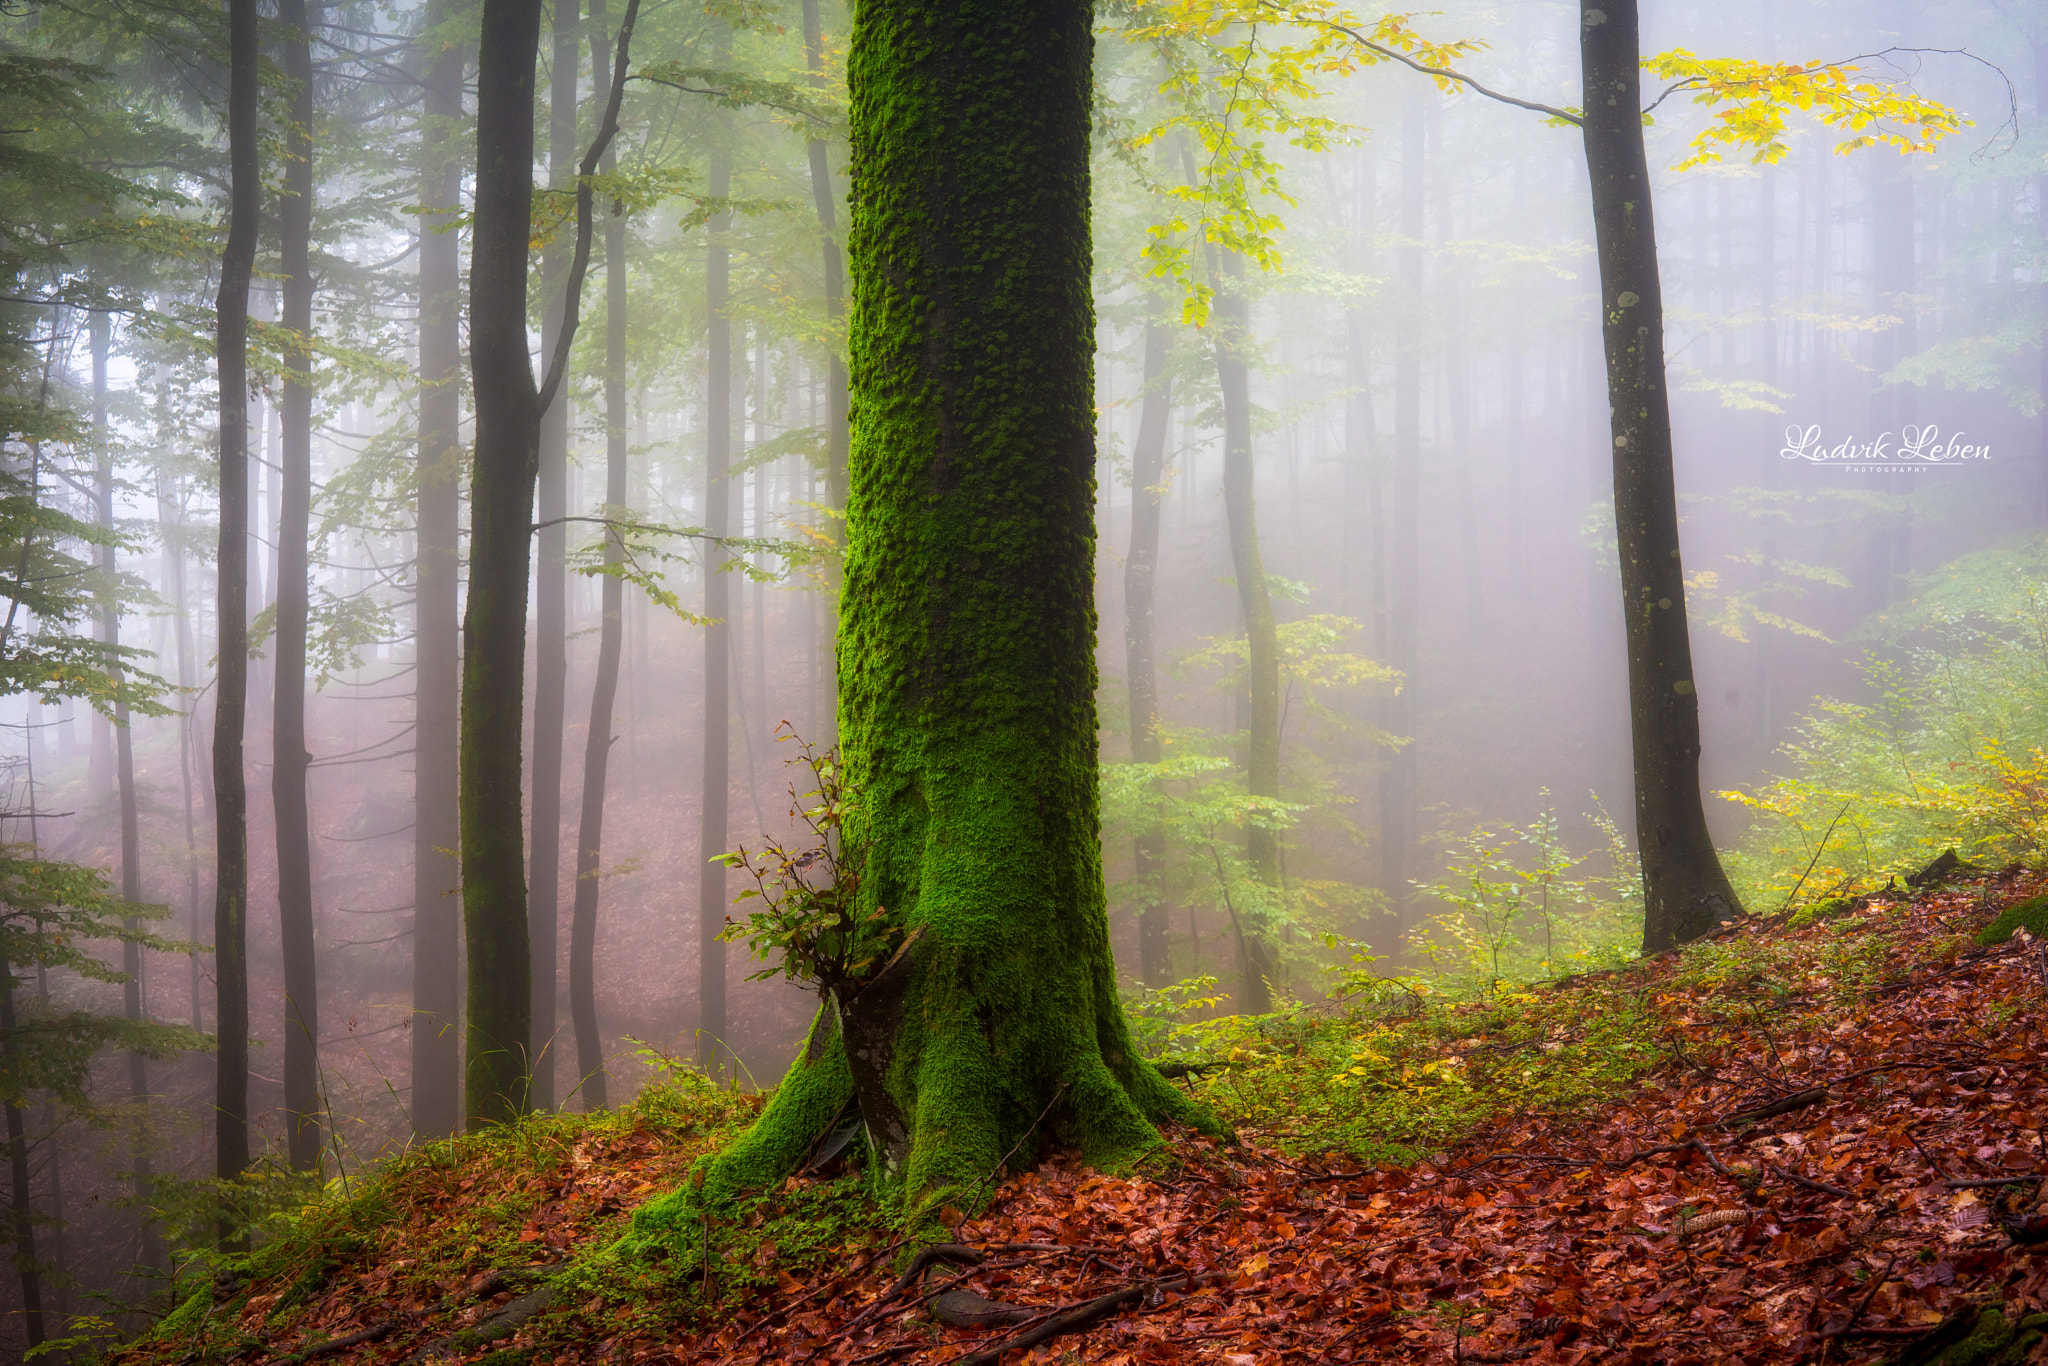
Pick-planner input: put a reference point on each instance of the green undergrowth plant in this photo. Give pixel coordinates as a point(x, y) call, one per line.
point(809, 925)
point(1391, 1085)
point(1407, 1066)
point(1519, 905)
point(1944, 746)
point(442, 1213)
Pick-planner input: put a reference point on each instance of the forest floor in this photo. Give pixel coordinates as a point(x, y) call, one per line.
point(1799, 1142)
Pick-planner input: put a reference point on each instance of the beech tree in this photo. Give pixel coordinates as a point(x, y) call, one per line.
point(231, 801)
point(1685, 889)
point(971, 1013)
point(498, 1066)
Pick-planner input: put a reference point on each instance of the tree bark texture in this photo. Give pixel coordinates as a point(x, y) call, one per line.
point(437, 682)
point(966, 648)
point(590, 1068)
point(551, 600)
point(1141, 579)
point(718, 607)
point(1685, 890)
point(500, 1017)
point(302, 1101)
point(231, 826)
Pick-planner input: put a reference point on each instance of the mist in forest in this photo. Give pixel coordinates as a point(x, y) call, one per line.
point(1853, 345)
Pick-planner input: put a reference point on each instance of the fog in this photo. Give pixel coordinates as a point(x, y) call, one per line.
point(1853, 345)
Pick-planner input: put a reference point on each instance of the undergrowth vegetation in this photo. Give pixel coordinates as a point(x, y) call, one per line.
point(1400, 1075)
point(1946, 748)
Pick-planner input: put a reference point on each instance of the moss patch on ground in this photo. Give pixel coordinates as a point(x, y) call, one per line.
point(2030, 915)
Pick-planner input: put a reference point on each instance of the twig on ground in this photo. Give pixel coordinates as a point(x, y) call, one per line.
point(791, 1308)
point(1876, 1283)
point(1821, 1186)
point(1783, 1106)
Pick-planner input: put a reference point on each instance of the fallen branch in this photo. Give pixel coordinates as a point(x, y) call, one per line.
point(488, 1284)
point(1070, 1321)
point(1783, 1106)
point(965, 1309)
point(1821, 1186)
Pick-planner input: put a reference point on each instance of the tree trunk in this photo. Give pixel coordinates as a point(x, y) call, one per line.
point(590, 1068)
point(124, 787)
point(1141, 575)
point(1403, 553)
point(711, 834)
point(231, 832)
point(22, 1212)
point(302, 1102)
point(551, 637)
point(823, 197)
point(436, 871)
point(967, 640)
point(1255, 600)
point(500, 1022)
point(187, 742)
point(1685, 890)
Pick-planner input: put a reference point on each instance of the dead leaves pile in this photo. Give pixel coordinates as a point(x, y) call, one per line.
point(1866, 1212)
point(1843, 1151)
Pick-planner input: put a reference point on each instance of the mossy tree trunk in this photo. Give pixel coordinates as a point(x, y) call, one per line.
point(1685, 890)
point(966, 646)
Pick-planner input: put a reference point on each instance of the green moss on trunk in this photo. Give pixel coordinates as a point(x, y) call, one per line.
point(966, 647)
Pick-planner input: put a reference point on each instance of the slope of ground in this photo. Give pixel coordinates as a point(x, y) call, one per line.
point(1820, 1143)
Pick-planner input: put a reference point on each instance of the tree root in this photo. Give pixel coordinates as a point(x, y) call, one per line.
point(965, 1309)
point(502, 1324)
point(1085, 1315)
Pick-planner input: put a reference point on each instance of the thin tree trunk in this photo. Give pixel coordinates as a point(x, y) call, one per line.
point(437, 873)
point(604, 688)
point(826, 200)
point(551, 641)
point(231, 833)
point(1141, 577)
point(187, 745)
point(1685, 890)
point(711, 837)
point(124, 786)
point(20, 1208)
point(1255, 599)
point(302, 1102)
point(500, 1016)
point(1403, 568)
